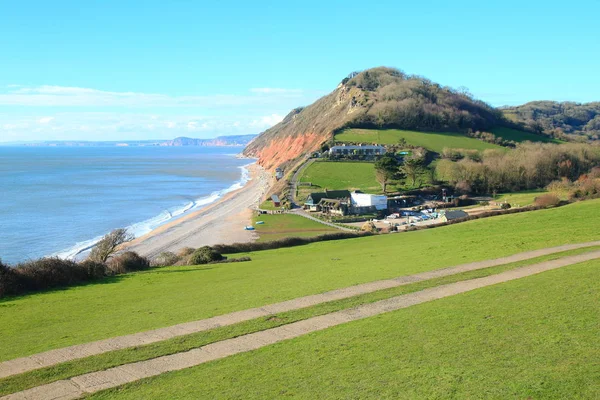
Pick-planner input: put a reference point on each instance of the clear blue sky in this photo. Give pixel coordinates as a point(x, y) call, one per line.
point(158, 69)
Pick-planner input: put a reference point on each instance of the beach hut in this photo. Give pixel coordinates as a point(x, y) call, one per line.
point(276, 202)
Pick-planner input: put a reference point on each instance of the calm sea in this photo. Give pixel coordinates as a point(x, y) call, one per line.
point(60, 200)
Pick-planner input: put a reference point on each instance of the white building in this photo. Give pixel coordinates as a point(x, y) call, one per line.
point(364, 150)
point(369, 200)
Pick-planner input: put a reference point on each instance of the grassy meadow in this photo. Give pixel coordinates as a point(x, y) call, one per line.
point(340, 176)
point(521, 136)
point(161, 297)
point(184, 343)
point(519, 339)
point(434, 141)
point(278, 226)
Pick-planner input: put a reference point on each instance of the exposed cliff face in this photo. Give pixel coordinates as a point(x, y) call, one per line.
point(376, 98)
point(236, 140)
point(304, 129)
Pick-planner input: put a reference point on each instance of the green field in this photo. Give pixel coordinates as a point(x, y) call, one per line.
point(278, 226)
point(519, 339)
point(520, 198)
point(140, 301)
point(434, 141)
point(340, 176)
point(520, 136)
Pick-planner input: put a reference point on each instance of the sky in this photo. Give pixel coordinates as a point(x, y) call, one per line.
point(125, 70)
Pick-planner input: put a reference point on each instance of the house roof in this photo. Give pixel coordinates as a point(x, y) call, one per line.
point(337, 194)
point(454, 214)
point(314, 198)
point(330, 203)
point(275, 198)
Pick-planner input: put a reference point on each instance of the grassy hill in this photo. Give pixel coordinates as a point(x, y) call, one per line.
point(552, 117)
point(375, 98)
point(141, 301)
point(434, 141)
point(519, 339)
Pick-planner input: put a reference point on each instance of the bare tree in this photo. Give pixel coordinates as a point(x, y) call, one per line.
point(109, 244)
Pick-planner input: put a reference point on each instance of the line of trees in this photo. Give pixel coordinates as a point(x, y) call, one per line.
point(529, 166)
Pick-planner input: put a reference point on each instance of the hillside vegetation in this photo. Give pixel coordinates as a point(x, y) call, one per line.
point(558, 119)
point(166, 296)
point(375, 98)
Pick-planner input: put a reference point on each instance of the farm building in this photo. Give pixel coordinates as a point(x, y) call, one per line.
point(452, 214)
point(313, 200)
point(365, 203)
point(333, 206)
point(361, 150)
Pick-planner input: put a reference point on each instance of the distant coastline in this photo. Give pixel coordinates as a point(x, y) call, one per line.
point(219, 141)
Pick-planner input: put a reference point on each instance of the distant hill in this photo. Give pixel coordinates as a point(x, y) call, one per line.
point(376, 98)
point(558, 119)
point(234, 140)
point(237, 140)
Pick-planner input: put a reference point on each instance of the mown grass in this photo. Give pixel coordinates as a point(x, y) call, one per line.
point(341, 176)
point(524, 198)
point(521, 136)
point(278, 226)
point(188, 342)
point(434, 141)
point(533, 338)
point(162, 297)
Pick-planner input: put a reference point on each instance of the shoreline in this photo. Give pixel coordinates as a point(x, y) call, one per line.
point(220, 222)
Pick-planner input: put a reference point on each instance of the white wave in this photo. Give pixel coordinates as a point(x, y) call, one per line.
point(141, 228)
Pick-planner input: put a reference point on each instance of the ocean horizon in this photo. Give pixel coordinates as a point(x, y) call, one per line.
point(59, 201)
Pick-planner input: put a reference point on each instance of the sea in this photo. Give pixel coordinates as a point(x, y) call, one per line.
point(59, 201)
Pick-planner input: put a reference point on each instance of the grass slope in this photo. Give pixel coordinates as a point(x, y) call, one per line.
point(156, 298)
point(184, 343)
point(520, 136)
point(278, 226)
point(520, 339)
point(434, 141)
point(341, 175)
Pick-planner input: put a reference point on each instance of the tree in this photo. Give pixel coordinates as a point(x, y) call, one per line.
point(108, 245)
point(386, 169)
point(412, 168)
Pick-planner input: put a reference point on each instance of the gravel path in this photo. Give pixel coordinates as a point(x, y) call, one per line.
point(96, 381)
point(57, 356)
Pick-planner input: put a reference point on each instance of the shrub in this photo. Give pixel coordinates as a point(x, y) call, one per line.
point(8, 280)
point(95, 270)
point(547, 200)
point(204, 255)
point(127, 262)
point(108, 245)
point(368, 227)
point(165, 259)
point(185, 251)
point(505, 206)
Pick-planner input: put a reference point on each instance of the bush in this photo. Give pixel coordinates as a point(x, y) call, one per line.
point(368, 227)
point(107, 246)
point(8, 280)
point(547, 200)
point(185, 251)
point(204, 255)
point(127, 262)
point(95, 270)
point(165, 259)
point(505, 206)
